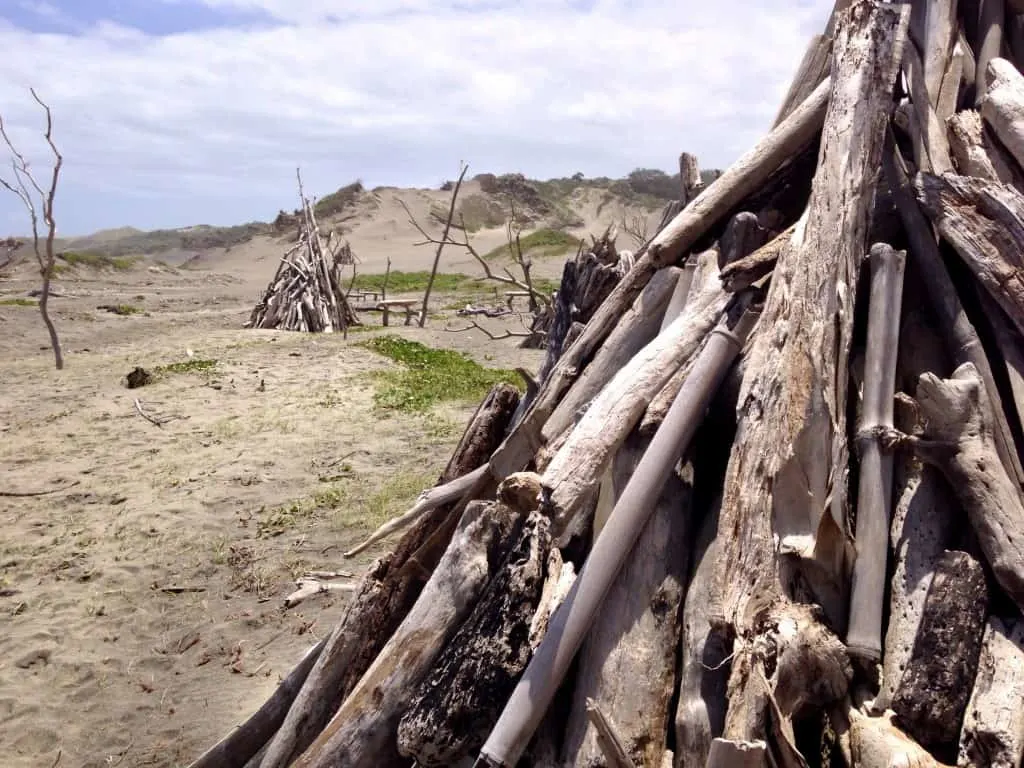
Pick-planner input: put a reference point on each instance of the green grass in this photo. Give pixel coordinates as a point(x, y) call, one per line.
point(429, 376)
point(416, 282)
point(96, 260)
point(552, 242)
point(18, 303)
point(193, 365)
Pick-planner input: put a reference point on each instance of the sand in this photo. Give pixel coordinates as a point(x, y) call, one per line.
point(142, 595)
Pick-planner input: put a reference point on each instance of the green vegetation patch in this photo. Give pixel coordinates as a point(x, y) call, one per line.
point(552, 242)
point(429, 376)
point(18, 303)
point(416, 282)
point(193, 365)
point(97, 260)
point(336, 202)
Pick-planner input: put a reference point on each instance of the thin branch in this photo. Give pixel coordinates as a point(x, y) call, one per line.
point(445, 239)
point(31, 494)
point(607, 737)
point(474, 324)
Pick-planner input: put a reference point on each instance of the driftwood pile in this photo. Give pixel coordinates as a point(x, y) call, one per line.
point(306, 292)
point(766, 508)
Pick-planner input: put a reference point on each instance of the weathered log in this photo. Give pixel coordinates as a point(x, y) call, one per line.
point(931, 147)
point(984, 221)
point(362, 733)
point(968, 147)
point(245, 741)
point(635, 329)
point(387, 592)
point(937, 52)
point(737, 754)
point(925, 516)
point(568, 626)
point(608, 738)
point(787, 471)
point(576, 470)
point(679, 295)
point(993, 731)
point(954, 325)
point(1010, 344)
point(558, 581)
point(933, 692)
point(990, 29)
point(743, 177)
point(1003, 106)
point(952, 83)
point(864, 632)
point(703, 663)
point(628, 661)
point(877, 743)
point(958, 440)
point(814, 67)
point(456, 705)
point(743, 236)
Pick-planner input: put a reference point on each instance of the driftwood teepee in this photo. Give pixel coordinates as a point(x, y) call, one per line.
point(306, 292)
point(766, 508)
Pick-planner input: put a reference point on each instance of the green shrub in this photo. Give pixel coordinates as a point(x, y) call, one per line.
point(550, 242)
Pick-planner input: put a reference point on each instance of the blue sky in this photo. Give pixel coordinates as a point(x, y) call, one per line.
point(178, 112)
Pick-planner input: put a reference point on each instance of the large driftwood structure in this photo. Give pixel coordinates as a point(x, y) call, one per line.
point(764, 507)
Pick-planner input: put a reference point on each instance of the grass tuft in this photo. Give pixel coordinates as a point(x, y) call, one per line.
point(547, 242)
point(430, 376)
point(18, 302)
point(194, 365)
point(96, 260)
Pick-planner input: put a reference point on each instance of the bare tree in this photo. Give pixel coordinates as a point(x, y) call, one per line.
point(636, 228)
point(24, 185)
point(441, 243)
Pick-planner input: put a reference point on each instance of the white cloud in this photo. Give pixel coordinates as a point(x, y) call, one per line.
point(214, 122)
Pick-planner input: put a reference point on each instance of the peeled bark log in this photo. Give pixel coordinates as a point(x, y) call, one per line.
point(455, 707)
point(1003, 106)
point(729, 190)
point(932, 696)
point(789, 456)
point(387, 593)
point(362, 733)
point(958, 439)
point(993, 732)
point(576, 469)
point(628, 662)
point(984, 221)
point(635, 329)
point(704, 658)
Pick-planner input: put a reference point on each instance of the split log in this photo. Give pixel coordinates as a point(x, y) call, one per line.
point(455, 707)
point(877, 743)
point(627, 663)
point(245, 741)
point(954, 325)
point(690, 181)
point(704, 655)
point(958, 440)
point(362, 733)
point(931, 147)
point(937, 52)
point(576, 470)
point(993, 731)
point(874, 498)
point(387, 593)
point(789, 456)
point(729, 190)
point(1003, 106)
point(933, 693)
point(558, 581)
point(814, 67)
point(984, 221)
point(634, 331)
point(925, 516)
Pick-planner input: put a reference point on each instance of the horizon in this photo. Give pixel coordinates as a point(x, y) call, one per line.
point(175, 113)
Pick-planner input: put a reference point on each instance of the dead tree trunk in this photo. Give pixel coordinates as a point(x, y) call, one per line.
point(386, 594)
point(789, 456)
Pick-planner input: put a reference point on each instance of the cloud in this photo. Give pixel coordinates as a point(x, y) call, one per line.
point(209, 125)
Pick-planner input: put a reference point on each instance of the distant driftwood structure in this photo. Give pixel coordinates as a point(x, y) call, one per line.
point(306, 292)
point(764, 507)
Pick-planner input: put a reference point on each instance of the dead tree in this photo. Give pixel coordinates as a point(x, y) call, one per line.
point(24, 185)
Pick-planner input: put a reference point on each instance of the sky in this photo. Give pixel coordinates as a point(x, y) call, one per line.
point(171, 113)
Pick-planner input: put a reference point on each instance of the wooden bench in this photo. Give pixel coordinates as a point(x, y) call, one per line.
point(363, 295)
point(406, 304)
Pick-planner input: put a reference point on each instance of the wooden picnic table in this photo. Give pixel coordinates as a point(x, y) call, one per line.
point(407, 304)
